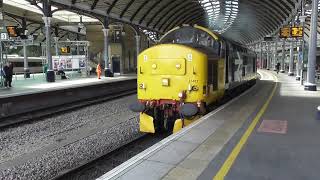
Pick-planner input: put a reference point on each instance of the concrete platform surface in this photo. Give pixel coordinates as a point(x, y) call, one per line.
point(283, 145)
point(38, 84)
point(187, 154)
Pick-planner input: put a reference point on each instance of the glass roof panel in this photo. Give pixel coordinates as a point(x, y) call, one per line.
point(221, 15)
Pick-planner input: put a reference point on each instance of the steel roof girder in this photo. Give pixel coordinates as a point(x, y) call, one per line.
point(267, 8)
point(94, 4)
point(165, 6)
point(138, 10)
point(96, 12)
point(267, 18)
point(126, 8)
point(177, 19)
point(280, 5)
point(188, 19)
point(111, 6)
point(170, 12)
point(267, 3)
point(193, 21)
point(186, 8)
point(149, 10)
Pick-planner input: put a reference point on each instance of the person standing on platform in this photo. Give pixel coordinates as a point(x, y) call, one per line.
point(278, 67)
point(99, 71)
point(8, 73)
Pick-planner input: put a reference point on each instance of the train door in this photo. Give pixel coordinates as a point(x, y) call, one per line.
point(232, 62)
point(224, 54)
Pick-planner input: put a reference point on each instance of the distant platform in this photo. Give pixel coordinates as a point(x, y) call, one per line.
point(37, 83)
point(29, 95)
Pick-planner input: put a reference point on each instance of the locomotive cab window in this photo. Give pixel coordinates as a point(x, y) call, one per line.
point(192, 37)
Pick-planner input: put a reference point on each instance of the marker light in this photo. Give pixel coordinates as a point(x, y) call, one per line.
point(165, 82)
point(182, 95)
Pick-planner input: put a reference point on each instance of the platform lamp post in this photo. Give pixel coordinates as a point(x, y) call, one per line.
point(138, 38)
point(310, 85)
point(56, 46)
point(302, 20)
point(282, 70)
point(25, 49)
point(56, 40)
point(275, 60)
point(25, 60)
point(290, 73)
point(2, 29)
point(261, 55)
point(107, 70)
point(268, 55)
point(50, 76)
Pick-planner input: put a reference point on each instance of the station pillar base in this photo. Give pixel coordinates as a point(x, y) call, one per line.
point(310, 87)
point(50, 76)
point(26, 73)
point(108, 73)
point(282, 71)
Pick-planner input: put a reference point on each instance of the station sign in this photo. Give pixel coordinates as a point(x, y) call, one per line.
point(291, 32)
point(296, 32)
point(285, 32)
point(4, 36)
point(65, 50)
point(12, 31)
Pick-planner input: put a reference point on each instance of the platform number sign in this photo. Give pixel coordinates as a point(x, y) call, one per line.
point(285, 32)
point(296, 32)
point(65, 50)
point(4, 36)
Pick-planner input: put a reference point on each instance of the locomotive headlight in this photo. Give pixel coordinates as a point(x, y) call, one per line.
point(165, 82)
point(195, 88)
point(182, 95)
point(154, 66)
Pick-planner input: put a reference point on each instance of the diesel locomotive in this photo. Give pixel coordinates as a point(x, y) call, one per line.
point(190, 68)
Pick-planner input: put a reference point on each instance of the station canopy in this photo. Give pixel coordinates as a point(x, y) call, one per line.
point(245, 21)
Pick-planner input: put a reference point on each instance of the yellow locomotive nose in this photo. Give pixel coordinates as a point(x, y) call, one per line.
point(166, 70)
point(169, 75)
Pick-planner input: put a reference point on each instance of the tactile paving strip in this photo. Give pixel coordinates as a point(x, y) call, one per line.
point(273, 126)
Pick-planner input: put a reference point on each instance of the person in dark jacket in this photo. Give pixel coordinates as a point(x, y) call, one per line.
point(278, 67)
point(8, 73)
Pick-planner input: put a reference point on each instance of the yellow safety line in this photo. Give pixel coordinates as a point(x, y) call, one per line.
point(235, 152)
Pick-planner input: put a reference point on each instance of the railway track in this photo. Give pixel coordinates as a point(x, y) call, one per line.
point(100, 166)
point(43, 113)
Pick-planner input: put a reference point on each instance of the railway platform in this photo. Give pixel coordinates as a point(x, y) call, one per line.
point(28, 95)
point(268, 132)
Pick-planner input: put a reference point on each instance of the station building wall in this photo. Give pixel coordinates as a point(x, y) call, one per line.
point(125, 48)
